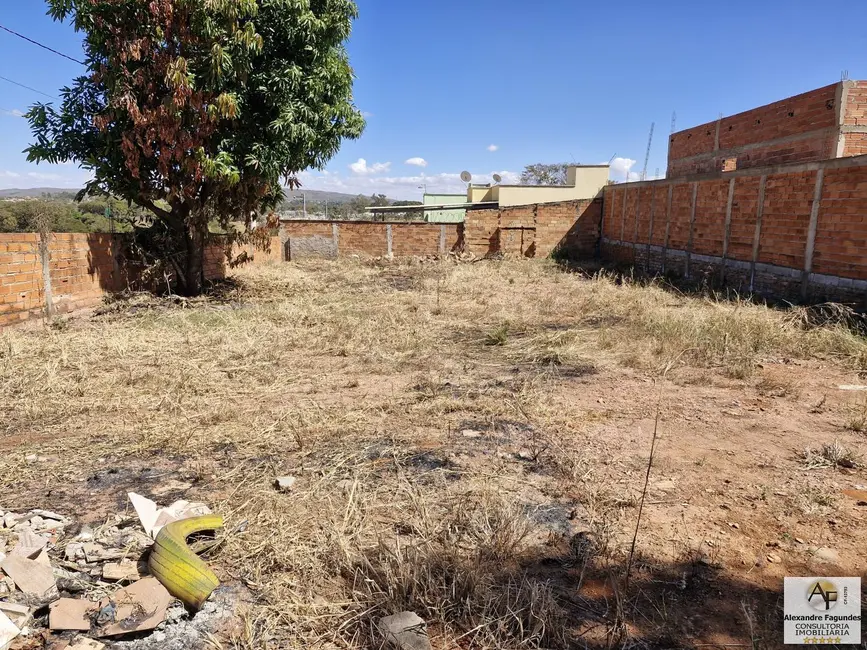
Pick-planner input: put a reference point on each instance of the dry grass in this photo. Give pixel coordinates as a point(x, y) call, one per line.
point(834, 454)
point(353, 377)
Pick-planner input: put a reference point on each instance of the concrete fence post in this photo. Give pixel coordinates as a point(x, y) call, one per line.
point(757, 237)
point(811, 233)
point(388, 238)
point(667, 227)
point(635, 230)
point(335, 237)
point(43, 246)
point(442, 239)
point(727, 231)
point(691, 231)
point(650, 229)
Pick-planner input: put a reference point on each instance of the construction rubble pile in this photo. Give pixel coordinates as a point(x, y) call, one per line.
point(126, 579)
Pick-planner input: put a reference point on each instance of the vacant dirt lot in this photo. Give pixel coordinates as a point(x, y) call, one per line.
point(470, 442)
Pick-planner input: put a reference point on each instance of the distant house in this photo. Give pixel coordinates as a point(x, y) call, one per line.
point(445, 215)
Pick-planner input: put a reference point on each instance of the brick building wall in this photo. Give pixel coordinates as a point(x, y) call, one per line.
point(570, 227)
point(793, 231)
point(829, 122)
point(331, 239)
point(83, 268)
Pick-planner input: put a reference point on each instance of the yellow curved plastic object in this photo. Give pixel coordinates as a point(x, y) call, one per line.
point(186, 576)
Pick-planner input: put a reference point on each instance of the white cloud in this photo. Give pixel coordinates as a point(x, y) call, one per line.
point(366, 114)
point(621, 169)
point(39, 176)
point(361, 167)
point(418, 162)
point(492, 147)
point(14, 112)
point(8, 174)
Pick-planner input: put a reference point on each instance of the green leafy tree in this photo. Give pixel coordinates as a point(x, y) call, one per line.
point(201, 110)
point(544, 174)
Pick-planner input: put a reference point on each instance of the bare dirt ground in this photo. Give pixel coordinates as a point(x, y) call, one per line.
point(471, 443)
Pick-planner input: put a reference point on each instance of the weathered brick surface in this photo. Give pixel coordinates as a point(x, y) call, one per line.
point(745, 205)
point(788, 201)
point(571, 227)
point(839, 265)
point(370, 238)
point(681, 212)
point(83, 268)
point(415, 239)
point(841, 235)
point(710, 214)
point(803, 128)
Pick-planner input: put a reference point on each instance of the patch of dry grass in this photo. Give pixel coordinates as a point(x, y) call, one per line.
point(350, 376)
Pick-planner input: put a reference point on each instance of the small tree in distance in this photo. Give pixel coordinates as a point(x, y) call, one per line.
point(544, 174)
point(200, 110)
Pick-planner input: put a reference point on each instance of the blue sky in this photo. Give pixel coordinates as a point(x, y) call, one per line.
point(492, 86)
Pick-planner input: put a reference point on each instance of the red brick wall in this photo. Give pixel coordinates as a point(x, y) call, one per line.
point(482, 231)
point(841, 227)
point(788, 200)
point(841, 236)
point(571, 226)
point(370, 238)
point(745, 202)
point(83, 267)
point(536, 230)
point(710, 215)
point(408, 239)
point(362, 239)
point(812, 115)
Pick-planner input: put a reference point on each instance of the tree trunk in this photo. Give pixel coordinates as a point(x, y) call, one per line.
point(194, 273)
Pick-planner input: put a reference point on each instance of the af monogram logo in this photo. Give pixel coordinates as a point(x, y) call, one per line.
point(825, 611)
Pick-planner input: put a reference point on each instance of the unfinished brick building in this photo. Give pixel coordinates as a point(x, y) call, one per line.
point(825, 123)
point(771, 201)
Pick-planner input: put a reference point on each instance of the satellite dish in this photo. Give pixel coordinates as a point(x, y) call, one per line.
point(497, 178)
point(466, 177)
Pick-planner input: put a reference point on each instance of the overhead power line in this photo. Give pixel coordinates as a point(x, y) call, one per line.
point(44, 47)
point(29, 88)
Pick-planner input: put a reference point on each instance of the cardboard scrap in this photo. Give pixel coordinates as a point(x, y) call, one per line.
point(8, 630)
point(140, 607)
point(30, 576)
point(71, 614)
point(152, 517)
point(123, 570)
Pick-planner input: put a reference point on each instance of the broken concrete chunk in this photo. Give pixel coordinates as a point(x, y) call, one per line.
point(140, 607)
point(8, 630)
point(471, 433)
point(31, 577)
point(74, 551)
point(405, 631)
point(29, 545)
point(123, 570)
point(10, 519)
point(98, 553)
point(71, 614)
point(284, 483)
point(18, 614)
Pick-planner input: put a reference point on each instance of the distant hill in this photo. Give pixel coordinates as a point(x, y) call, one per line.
point(37, 192)
point(312, 195)
point(320, 195)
